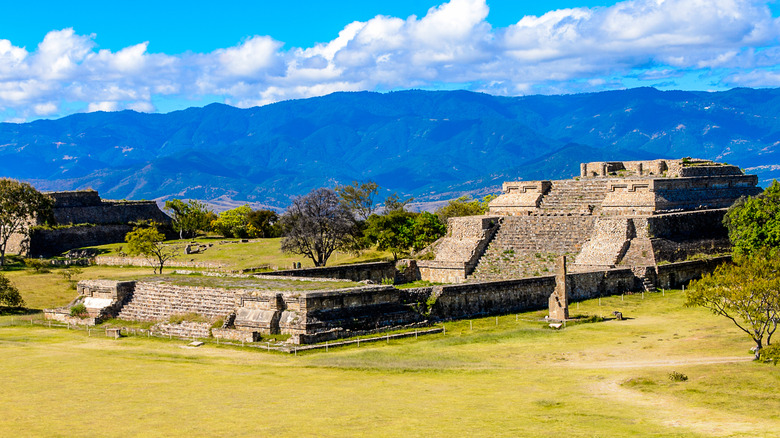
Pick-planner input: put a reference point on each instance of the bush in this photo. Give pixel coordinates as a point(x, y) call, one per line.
point(39, 265)
point(9, 294)
point(79, 311)
point(770, 354)
point(387, 280)
point(674, 376)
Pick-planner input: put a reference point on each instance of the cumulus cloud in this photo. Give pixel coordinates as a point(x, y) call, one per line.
point(568, 50)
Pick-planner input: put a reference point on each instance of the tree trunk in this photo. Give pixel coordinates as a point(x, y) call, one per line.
point(758, 350)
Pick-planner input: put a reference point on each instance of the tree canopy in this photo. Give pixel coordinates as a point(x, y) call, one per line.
point(464, 206)
point(754, 223)
point(316, 225)
point(20, 207)
point(244, 222)
point(400, 231)
point(148, 242)
point(746, 292)
point(188, 217)
point(359, 198)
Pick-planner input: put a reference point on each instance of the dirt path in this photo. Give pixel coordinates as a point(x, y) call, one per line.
point(669, 411)
point(658, 363)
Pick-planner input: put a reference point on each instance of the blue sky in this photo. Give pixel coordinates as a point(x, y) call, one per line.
point(58, 58)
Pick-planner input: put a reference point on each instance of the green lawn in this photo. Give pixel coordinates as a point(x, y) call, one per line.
point(253, 254)
point(517, 378)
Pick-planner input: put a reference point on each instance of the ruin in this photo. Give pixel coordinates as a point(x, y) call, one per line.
point(82, 219)
point(627, 226)
point(630, 214)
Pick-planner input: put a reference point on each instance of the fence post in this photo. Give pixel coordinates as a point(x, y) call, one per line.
point(496, 321)
point(471, 326)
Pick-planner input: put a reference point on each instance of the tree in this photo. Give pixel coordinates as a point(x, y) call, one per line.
point(746, 292)
point(148, 242)
point(426, 230)
point(188, 217)
point(400, 231)
point(391, 231)
point(359, 198)
point(264, 223)
point(9, 294)
point(233, 223)
point(754, 223)
point(464, 206)
point(316, 225)
point(20, 206)
point(394, 203)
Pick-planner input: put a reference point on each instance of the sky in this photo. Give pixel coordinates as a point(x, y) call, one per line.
point(59, 58)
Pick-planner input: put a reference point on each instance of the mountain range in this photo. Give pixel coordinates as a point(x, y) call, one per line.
point(432, 145)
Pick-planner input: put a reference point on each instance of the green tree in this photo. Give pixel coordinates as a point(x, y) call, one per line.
point(746, 292)
point(464, 206)
point(316, 225)
point(148, 242)
point(394, 203)
point(754, 223)
point(359, 198)
point(9, 294)
point(188, 217)
point(264, 223)
point(427, 229)
point(391, 231)
point(20, 207)
point(233, 223)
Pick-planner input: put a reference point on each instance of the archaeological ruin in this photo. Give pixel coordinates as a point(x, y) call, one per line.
point(82, 219)
point(623, 226)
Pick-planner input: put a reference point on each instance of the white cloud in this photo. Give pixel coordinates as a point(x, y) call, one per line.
point(568, 50)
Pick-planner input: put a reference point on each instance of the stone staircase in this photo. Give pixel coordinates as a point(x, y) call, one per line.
point(648, 285)
point(573, 197)
point(158, 301)
point(527, 246)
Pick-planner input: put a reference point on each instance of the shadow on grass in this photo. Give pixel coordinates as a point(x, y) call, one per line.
point(18, 311)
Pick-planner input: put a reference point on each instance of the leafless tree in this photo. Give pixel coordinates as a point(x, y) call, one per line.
point(316, 225)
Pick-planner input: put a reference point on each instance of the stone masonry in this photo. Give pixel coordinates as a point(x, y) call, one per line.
point(633, 213)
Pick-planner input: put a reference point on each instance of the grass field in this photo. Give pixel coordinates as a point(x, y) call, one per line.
point(514, 378)
point(253, 254)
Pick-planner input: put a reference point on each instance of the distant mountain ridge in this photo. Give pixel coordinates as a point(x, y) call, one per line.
point(432, 145)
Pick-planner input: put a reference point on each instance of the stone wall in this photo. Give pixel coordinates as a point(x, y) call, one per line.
point(375, 272)
point(53, 242)
point(142, 262)
point(156, 300)
point(315, 316)
point(185, 329)
point(86, 207)
point(675, 275)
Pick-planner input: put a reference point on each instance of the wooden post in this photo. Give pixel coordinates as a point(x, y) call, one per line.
point(471, 326)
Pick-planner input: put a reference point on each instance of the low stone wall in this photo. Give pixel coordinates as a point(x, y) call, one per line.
point(142, 262)
point(235, 335)
point(186, 329)
point(675, 275)
point(358, 272)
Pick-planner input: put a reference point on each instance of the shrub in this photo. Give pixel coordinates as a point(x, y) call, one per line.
point(770, 354)
point(9, 294)
point(387, 280)
point(38, 265)
point(79, 311)
point(674, 376)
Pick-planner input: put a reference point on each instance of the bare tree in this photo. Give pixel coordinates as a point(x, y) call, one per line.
point(316, 225)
